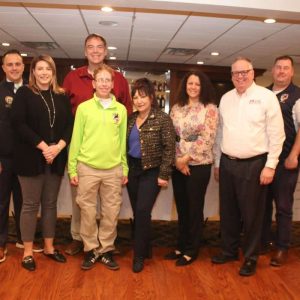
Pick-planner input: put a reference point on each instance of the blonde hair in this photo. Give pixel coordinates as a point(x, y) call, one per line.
point(53, 84)
point(107, 68)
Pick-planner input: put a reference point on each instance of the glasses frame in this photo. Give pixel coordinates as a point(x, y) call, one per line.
point(243, 73)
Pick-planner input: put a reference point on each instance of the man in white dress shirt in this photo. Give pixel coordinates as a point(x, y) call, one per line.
point(249, 142)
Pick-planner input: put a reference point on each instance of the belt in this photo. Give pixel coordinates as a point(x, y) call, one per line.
point(246, 159)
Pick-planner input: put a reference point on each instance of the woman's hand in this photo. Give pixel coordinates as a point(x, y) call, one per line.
point(162, 182)
point(51, 152)
point(182, 164)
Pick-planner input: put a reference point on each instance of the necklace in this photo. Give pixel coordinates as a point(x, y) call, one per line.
point(48, 108)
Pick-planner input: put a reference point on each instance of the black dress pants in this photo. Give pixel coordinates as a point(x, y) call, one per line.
point(9, 185)
point(242, 199)
point(189, 192)
point(143, 190)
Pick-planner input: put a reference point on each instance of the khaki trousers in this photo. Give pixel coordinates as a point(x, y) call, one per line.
point(108, 183)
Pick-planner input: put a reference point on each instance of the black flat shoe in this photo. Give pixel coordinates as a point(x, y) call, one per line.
point(138, 264)
point(248, 268)
point(172, 255)
point(28, 263)
point(183, 261)
point(57, 256)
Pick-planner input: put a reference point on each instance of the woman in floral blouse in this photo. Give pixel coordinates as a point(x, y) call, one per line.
point(195, 118)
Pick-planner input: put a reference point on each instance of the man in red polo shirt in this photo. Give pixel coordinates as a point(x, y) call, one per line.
point(78, 85)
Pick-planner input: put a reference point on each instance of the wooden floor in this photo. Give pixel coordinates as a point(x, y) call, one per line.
point(160, 279)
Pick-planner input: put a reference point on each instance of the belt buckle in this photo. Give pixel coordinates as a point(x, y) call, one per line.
point(232, 157)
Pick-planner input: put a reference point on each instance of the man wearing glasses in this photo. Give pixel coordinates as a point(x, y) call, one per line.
point(284, 184)
point(249, 142)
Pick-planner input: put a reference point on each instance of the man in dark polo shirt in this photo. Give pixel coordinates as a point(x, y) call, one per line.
point(78, 85)
point(282, 189)
point(13, 67)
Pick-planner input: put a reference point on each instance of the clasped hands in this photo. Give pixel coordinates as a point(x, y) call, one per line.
point(50, 152)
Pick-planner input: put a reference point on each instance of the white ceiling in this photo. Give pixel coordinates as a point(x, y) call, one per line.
point(147, 28)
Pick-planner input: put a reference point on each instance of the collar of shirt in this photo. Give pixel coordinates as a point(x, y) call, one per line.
point(83, 72)
point(16, 85)
point(248, 91)
point(106, 103)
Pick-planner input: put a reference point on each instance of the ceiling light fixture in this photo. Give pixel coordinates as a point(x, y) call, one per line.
point(215, 53)
point(108, 23)
point(112, 48)
point(200, 62)
point(269, 21)
point(24, 54)
point(112, 58)
point(6, 44)
point(106, 9)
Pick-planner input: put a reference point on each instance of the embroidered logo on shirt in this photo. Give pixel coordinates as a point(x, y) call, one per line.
point(254, 101)
point(284, 97)
point(116, 117)
point(8, 101)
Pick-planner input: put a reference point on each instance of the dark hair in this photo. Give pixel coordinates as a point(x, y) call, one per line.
point(12, 51)
point(207, 91)
point(144, 87)
point(95, 36)
point(284, 57)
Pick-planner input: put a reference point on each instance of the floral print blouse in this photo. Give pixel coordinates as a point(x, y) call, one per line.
point(195, 127)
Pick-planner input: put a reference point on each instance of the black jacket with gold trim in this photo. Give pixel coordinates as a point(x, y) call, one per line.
point(157, 139)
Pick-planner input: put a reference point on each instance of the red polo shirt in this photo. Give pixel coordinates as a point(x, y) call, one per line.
point(78, 85)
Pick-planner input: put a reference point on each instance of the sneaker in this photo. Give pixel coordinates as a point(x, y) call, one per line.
point(74, 247)
point(108, 260)
point(36, 247)
point(3, 252)
point(89, 260)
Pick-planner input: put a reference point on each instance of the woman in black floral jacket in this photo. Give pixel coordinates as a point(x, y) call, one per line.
point(151, 152)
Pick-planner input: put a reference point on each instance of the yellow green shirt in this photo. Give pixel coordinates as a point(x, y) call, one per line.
point(99, 136)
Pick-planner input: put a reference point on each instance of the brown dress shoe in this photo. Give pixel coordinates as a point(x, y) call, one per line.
point(74, 248)
point(279, 258)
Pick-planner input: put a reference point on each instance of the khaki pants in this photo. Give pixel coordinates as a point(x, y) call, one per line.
point(108, 183)
point(75, 221)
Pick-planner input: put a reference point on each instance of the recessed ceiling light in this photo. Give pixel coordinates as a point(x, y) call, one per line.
point(270, 21)
point(6, 44)
point(214, 53)
point(112, 57)
point(109, 23)
point(106, 9)
point(24, 54)
point(112, 48)
point(200, 62)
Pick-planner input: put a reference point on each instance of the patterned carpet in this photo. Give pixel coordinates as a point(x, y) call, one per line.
point(164, 233)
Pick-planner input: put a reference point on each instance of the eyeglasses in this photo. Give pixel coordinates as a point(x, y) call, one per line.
point(103, 80)
point(244, 73)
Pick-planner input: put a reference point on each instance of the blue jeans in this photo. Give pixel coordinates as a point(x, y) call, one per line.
point(281, 190)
